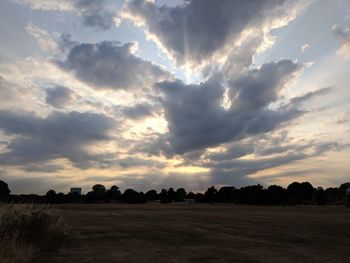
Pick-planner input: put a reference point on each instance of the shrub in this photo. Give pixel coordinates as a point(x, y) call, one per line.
point(26, 229)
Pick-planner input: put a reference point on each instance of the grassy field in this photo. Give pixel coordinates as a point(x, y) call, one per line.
point(202, 233)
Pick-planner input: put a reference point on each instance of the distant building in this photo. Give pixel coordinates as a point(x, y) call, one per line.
point(76, 190)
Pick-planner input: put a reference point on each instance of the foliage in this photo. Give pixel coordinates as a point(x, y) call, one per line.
point(4, 190)
point(25, 229)
point(296, 193)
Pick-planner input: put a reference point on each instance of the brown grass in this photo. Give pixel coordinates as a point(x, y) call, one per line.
point(203, 233)
point(25, 230)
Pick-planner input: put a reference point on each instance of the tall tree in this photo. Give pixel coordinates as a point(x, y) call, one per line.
point(4, 191)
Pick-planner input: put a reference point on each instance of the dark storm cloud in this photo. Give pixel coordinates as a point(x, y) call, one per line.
point(197, 120)
point(59, 135)
point(195, 30)
point(59, 96)
point(110, 65)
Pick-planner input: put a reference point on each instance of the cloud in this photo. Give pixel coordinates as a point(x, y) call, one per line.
point(304, 48)
point(6, 92)
point(265, 152)
point(56, 136)
point(94, 13)
point(199, 30)
point(196, 118)
point(244, 167)
point(12, 95)
point(46, 41)
point(343, 35)
point(109, 65)
point(311, 94)
point(138, 111)
point(59, 96)
point(63, 5)
point(257, 88)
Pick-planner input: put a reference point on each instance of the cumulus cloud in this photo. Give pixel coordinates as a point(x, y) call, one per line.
point(59, 96)
point(94, 13)
point(56, 136)
point(197, 31)
point(110, 65)
point(197, 120)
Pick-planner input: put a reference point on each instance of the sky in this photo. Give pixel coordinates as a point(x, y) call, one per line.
point(155, 94)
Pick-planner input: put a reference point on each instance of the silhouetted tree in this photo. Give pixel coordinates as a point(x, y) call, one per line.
point(50, 197)
point(191, 195)
point(171, 194)
point(152, 195)
point(132, 197)
point(307, 191)
point(61, 198)
point(320, 196)
point(99, 189)
point(115, 192)
point(97, 193)
point(333, 194)
point(226, 194)
point(4, 191)
point(254, 195)
point(210, 194)
point(163, 196)
point(300, 192)
point(200, 198)
point(347, 199)
point(77, 198)
point(180, 195)
point(343, 189)
point(276, 195)
point(112, 194)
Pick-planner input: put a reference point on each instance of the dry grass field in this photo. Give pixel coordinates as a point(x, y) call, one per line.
point(202, 233)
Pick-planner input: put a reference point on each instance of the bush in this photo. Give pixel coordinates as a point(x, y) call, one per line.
point(26, 229)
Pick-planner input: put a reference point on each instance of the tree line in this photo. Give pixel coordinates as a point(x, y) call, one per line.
point(295, 193)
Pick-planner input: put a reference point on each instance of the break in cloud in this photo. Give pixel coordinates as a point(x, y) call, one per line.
point(232, 101)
